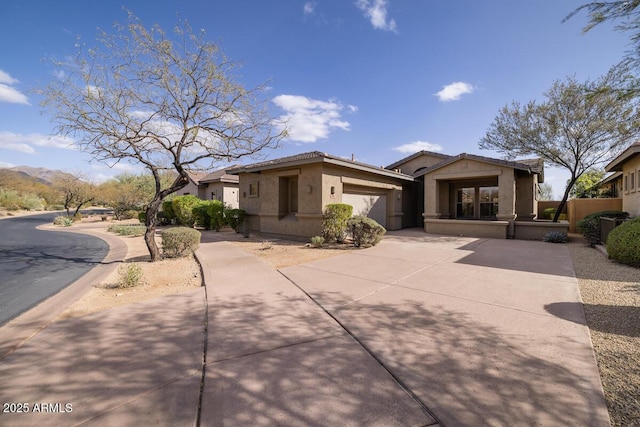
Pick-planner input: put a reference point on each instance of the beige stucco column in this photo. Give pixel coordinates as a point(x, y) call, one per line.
point(431, 198)
point(507, 195)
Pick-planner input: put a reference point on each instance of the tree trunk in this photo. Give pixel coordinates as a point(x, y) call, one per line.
point(572, 181)
point(150, 233)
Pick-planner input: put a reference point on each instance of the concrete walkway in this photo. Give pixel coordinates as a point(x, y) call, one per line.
point(419, 330)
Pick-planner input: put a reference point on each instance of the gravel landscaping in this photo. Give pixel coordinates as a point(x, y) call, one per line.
point(611, 297)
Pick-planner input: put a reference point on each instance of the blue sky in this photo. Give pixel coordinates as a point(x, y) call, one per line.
point(373, 78)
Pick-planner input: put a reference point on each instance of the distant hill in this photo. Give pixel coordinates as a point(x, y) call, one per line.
point(42, 175)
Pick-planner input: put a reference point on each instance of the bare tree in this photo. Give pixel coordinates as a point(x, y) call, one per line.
point(75, 191)
point(579, 126)
point(166, 101)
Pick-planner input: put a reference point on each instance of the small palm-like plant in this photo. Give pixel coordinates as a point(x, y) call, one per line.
point(555, 237)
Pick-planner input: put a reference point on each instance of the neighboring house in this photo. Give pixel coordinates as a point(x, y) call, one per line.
point(287, 196)
point(611, 186)
point(628, 165)
point(460, 195)
point(218, 185)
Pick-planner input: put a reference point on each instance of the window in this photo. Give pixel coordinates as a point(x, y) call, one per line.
point(633, 180)
point(253, 189)
point(488, 202)
point(288, 195)
point(626, 183)
point(465, 202)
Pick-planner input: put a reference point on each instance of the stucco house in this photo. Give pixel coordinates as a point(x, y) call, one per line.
point(218, 185)
point(475, 195)
point(287, 196)
point(627, 164)
point(464, 194)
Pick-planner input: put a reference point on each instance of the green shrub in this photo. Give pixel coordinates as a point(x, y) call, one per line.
point(130, 275)
point(623, 243)
point(167, 210)
point(589, 226)
point(235, 218)
point(183, 209)
point(365, 231)
point(549, 213)
point(200, 216)
point(180, 241)
point(555, 237)
point(142, 217)
point(63, 221)
point(317, 241)
point(215, 212)
point(129, 214)
point(334, 221)
point(127, 229)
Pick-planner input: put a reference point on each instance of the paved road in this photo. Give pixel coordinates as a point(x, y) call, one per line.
point(36, 264)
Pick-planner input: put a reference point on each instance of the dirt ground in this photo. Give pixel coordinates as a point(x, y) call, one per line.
point(171, 276)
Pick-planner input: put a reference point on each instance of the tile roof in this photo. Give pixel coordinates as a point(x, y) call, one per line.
point(316, 157)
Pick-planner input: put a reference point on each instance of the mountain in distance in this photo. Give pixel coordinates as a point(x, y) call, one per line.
point(41, 175)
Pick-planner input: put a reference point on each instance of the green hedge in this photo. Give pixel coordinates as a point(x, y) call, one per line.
point(623, 243)
point(180, 241)
point(589, 226)
point(365, 231)
point(235, 218)
point(183, 209)
point(334, 221)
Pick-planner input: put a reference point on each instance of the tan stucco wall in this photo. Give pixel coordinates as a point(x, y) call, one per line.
point(425, 160)
point(631, 196)
point(315, 182)
point(468, 228)
point(441, 203)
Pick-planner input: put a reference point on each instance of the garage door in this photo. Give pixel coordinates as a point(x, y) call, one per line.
point(372, 205)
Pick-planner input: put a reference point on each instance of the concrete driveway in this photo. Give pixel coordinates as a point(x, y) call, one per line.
point(481, 331)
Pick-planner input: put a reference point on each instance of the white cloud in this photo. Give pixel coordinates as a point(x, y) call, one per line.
point(309, 7)
point(24, 143)
point(414, 147)
point(7, 165)
point(9, 93)
point(308, 120)
point(7, 79)
point(453, 91)
point(376, 12)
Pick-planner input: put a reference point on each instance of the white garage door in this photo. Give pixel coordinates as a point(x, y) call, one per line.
point(372, 205)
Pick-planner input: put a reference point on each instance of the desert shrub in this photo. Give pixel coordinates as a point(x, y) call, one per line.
point(127, 229)
point(555, 237)
point(549, 213)
point(317, 241)
point(589, 226)
point(63, 221)
point(77, 217)
point(129, 214)
point(167, 210)
point(200, 215)
point(365, 231)
point(623, 243)
point(142, 217)
point(215, 212)
point(183, 209)
point(180, 241)
point(130, 275)
point(334, 221)
point(235, 218)
point(13, 200)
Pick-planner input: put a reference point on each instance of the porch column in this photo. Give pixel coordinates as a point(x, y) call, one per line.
point(431, 198)
point(507, 195)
